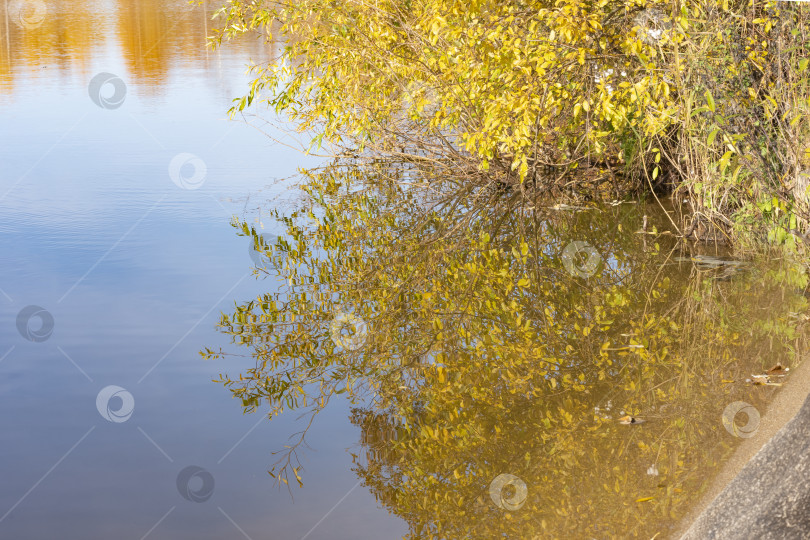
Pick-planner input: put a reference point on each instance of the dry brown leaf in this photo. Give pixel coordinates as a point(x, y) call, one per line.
point(630, 420)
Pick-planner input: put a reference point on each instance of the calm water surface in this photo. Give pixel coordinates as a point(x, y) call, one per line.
point(134, 271)
point(120, 175)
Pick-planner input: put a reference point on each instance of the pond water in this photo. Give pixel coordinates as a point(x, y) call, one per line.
point(519, 372)
point(134, 270)
point(557, 372)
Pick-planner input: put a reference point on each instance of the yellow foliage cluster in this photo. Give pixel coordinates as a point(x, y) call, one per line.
point(514, 82)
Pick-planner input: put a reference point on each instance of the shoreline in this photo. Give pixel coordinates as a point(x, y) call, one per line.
point(784, 406)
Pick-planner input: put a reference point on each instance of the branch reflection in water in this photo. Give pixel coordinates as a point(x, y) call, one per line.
point(497, 392)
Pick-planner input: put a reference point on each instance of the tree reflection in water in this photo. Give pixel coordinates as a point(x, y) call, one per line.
point(490, 379)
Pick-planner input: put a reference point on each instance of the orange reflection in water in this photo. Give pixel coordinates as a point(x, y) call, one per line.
point(153, 38)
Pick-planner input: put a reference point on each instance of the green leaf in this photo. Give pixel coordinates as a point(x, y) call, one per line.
point(710, 101)
point(698, 111)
